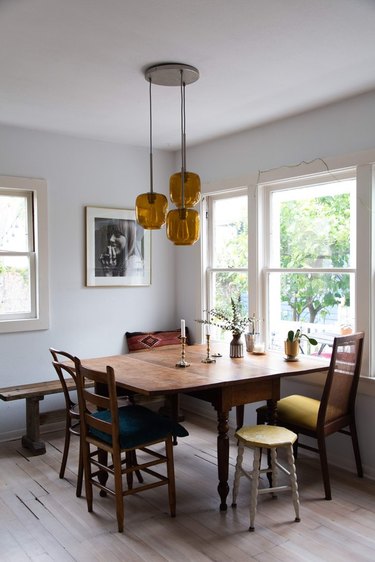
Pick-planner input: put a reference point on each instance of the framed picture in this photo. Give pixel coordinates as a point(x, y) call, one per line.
point(118, 250)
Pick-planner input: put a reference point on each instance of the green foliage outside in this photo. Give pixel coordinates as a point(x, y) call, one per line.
point(315, 233)
point(233, 254)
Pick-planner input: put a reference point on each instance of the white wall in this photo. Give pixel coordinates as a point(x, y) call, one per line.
point(84, 321)
point(339, 129)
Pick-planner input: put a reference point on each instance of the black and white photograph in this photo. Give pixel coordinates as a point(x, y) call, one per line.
point(117, 248)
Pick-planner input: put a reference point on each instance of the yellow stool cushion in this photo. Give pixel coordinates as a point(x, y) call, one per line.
point(298, 410)
point(265, 436)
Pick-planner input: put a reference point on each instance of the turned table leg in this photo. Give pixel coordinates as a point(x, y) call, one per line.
point(223, 457)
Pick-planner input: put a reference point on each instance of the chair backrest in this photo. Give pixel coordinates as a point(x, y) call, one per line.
point(340, 390)
point(61, 370)
point(90, 402)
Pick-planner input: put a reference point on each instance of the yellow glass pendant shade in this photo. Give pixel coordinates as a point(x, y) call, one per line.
point(151, 210)
point(192, 189)
point(183, 226)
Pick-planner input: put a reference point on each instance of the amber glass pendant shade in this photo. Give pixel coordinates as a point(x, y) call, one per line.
point(183, 226)
point(151, 210)
point(192, 189)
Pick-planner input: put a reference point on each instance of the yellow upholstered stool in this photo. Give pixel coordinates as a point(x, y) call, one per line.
point(268, 437)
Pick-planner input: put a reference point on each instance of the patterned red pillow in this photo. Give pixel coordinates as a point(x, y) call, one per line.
point(150, 340)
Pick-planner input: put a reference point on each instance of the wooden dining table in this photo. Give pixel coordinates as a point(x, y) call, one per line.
point(225, 383)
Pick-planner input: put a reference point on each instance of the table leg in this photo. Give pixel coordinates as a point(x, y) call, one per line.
point(223, 457)
point(173, 405)
point(240, 410)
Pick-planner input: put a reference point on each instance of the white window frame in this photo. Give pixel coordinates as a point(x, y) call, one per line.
point(38, 319)
point(363, 164)
point(267, 190)
point(208, 267)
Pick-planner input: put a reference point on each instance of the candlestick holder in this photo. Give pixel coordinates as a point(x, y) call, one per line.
point(208, 359)
point(182, 363)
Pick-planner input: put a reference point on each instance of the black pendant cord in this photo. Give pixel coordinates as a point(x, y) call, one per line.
point(183, 142)
point(151, 158)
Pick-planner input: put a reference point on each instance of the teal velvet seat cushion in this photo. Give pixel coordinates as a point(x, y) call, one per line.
point(139, 425)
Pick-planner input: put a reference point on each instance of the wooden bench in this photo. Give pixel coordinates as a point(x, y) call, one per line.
point(34, 393)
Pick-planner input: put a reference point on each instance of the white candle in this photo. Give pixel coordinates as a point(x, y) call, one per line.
point(207, 329)
point(183, 334)
point(259, 348)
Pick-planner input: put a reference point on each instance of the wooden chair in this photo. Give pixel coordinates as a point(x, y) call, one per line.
point(121, 432)
point(72, 418)
point(271, 438)
point(335, 412)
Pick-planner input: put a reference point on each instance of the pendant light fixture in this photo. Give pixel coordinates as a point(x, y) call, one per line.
point(151, 208)
point(183, 223)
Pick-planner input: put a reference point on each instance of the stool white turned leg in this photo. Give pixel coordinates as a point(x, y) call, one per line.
point(270, 438)
point(274, 470)
point(254, 487)
point(237, 474)
point(293, 481)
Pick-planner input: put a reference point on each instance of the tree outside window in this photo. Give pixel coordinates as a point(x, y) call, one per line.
point(312, 247)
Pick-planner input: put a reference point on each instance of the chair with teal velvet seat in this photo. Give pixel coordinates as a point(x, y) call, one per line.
point(335, 412)
point(121, 432)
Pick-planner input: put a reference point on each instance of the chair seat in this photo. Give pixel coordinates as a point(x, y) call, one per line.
point(300, 411)
point(139, 425)
point(266, 436)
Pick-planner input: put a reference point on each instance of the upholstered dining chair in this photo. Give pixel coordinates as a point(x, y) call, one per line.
point(72, 420)
point(334, 412)
point(107, 430)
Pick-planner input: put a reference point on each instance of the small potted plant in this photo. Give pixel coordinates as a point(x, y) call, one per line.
point(235, 322)
point(291, 344)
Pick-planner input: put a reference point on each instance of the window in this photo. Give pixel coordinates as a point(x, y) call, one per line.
point(310, 274)
point(310, 253)
point(227, 251)
point(23, 255)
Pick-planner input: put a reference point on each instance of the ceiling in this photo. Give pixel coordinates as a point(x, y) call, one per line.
point(76, 66)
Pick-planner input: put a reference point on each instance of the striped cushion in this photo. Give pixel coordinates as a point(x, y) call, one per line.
point(139, 425)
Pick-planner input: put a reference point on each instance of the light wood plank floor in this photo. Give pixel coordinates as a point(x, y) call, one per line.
point(42, 520)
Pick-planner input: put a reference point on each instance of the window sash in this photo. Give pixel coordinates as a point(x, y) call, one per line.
point(35, 190)
point(208, 237)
